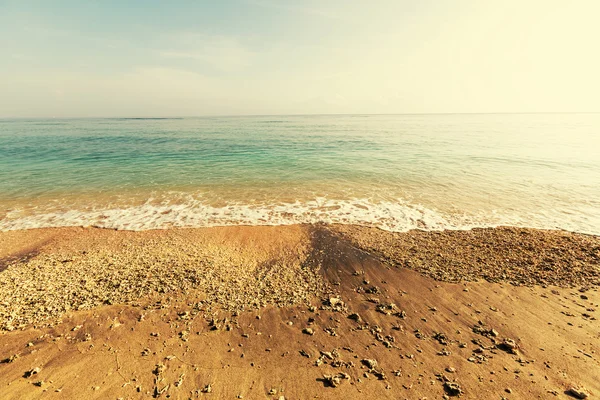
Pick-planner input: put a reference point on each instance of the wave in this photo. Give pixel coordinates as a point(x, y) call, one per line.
point(391, 216)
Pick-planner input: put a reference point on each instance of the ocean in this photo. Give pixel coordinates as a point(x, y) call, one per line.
point(395, 172)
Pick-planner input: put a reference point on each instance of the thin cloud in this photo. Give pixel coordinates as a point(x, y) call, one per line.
point(220, 52)
point(319, 12)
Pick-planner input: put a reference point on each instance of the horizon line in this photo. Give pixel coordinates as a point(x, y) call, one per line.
point(306, 115)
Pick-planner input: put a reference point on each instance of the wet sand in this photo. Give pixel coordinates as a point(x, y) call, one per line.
point(298, 312)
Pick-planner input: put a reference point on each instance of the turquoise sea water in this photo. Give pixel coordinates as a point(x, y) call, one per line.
point(396, 172)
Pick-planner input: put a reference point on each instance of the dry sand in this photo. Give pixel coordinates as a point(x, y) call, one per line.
point(298, 312)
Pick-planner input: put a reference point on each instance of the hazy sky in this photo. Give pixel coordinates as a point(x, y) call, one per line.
point(73, 58)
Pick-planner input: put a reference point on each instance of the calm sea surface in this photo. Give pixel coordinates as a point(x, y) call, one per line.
point(396, 172)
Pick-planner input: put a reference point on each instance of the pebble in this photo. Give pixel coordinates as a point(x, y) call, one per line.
point(32, 372)
point(308, 331)
point(452, 388)
point(578, 392)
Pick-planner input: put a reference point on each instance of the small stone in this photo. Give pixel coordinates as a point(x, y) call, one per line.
point(32, 372)
point(10, 359)
point(370, 363)
point(159, 369)
point(335, 301)
point(578, 392)
point(355, 317)
point(304, 354)
point(452, 388)
point(509, 346)
point(335, 380)
point(184, 315)
point(308, 331)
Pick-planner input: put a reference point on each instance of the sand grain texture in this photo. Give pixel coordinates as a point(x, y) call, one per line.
point(229, 312)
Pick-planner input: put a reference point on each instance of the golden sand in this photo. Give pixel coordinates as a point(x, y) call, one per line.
point(298, 312)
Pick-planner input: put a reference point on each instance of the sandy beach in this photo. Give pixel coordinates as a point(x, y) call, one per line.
point(299, 312)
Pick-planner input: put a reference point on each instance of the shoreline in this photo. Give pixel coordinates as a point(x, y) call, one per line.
point(307, 224)
point(239, 309)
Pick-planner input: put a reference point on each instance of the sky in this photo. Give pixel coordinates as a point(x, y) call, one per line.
point(73, 58)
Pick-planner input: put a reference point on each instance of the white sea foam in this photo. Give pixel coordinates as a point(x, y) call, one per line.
point(392, 216)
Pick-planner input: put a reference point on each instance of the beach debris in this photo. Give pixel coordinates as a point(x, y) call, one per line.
point(115, 323)
point(578, 392)
point(159, 369)
point(304, 354)
point(185, 315)
point(207, 389)
point(184, 335)
point(157, 392)
point(179, 380)
point(9, 359)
